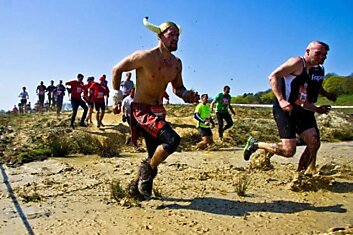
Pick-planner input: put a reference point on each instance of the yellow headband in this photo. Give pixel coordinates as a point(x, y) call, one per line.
point(161, 28)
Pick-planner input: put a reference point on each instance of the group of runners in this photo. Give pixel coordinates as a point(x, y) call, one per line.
point(55, 96)
point(202, 114)
point(295, 84)
point(89, 96)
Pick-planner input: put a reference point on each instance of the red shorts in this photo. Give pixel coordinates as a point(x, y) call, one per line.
point(148, 118)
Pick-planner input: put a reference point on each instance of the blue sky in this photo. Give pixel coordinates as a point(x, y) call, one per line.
point(228, 42)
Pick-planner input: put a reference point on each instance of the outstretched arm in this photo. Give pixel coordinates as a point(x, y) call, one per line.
point(198, 117)
point(329, 95)
point(212, 104)
point(129, 63)
point(231, 109)
point(189, 96)
point(323, 109)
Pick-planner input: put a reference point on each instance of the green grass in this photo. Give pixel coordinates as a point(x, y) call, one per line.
point(341, 100)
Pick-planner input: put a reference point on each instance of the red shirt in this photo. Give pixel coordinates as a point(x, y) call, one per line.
point(76, 89)
point(41, 89)
point(86, 87)
point(99, 91)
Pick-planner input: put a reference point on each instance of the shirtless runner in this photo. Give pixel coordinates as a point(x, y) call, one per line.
point(155, 68)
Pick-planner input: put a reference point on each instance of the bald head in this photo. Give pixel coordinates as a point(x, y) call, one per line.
point(315, 44)
point(316, 53)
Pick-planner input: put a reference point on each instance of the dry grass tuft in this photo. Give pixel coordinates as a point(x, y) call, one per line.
point(117, 192)
point(108, 148)
point(29, 195)
point(242, 183)
point(157, 192)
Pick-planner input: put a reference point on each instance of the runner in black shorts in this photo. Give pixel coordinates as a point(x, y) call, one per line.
point(205, 131)
point(98, 92)
point(307, 162)
point(204, 122)
point(41, 88)
point(99, 106)
point(88, 98)
point(50, 90)
point(289, 83)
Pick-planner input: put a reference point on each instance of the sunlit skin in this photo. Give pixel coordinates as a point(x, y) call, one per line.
point(315, 54)
point(307, 162)
point(155, 68)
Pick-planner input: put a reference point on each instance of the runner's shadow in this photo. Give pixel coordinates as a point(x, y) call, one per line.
point(182, 125)
point(240, 208)
point(15, 202)
point(342, 187)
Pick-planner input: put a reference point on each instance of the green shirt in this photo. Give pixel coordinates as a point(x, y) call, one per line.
point(222, 102)
point(204, 112)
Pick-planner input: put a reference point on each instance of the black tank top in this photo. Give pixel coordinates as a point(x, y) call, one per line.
point(316, 76)
point(291, 84)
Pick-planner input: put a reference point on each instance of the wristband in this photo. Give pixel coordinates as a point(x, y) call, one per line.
point(185, 95)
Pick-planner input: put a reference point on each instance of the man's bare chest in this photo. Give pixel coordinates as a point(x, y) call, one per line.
point(161, 72)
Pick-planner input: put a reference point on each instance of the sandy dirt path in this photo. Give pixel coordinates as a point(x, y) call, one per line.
point(198, 196)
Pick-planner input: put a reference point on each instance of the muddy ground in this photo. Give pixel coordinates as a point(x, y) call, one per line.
point(197, 191)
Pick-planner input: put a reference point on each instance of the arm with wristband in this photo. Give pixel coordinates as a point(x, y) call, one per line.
point(189, 96)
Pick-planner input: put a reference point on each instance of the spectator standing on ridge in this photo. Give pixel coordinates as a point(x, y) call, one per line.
point(126, 106)
point(126, 86)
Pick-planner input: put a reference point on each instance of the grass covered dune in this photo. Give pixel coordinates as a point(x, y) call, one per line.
point(37, 136)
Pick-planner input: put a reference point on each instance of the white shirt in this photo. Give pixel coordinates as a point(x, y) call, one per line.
point(126, 104)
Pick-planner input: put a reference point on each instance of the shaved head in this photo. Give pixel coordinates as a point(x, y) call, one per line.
point(314, 44)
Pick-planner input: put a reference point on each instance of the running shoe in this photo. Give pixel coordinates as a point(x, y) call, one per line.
point(132, 190)
point(250, 147)
point(83, 124)
point(145, 183)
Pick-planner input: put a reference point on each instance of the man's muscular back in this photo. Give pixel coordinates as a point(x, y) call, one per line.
point(154, 74)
